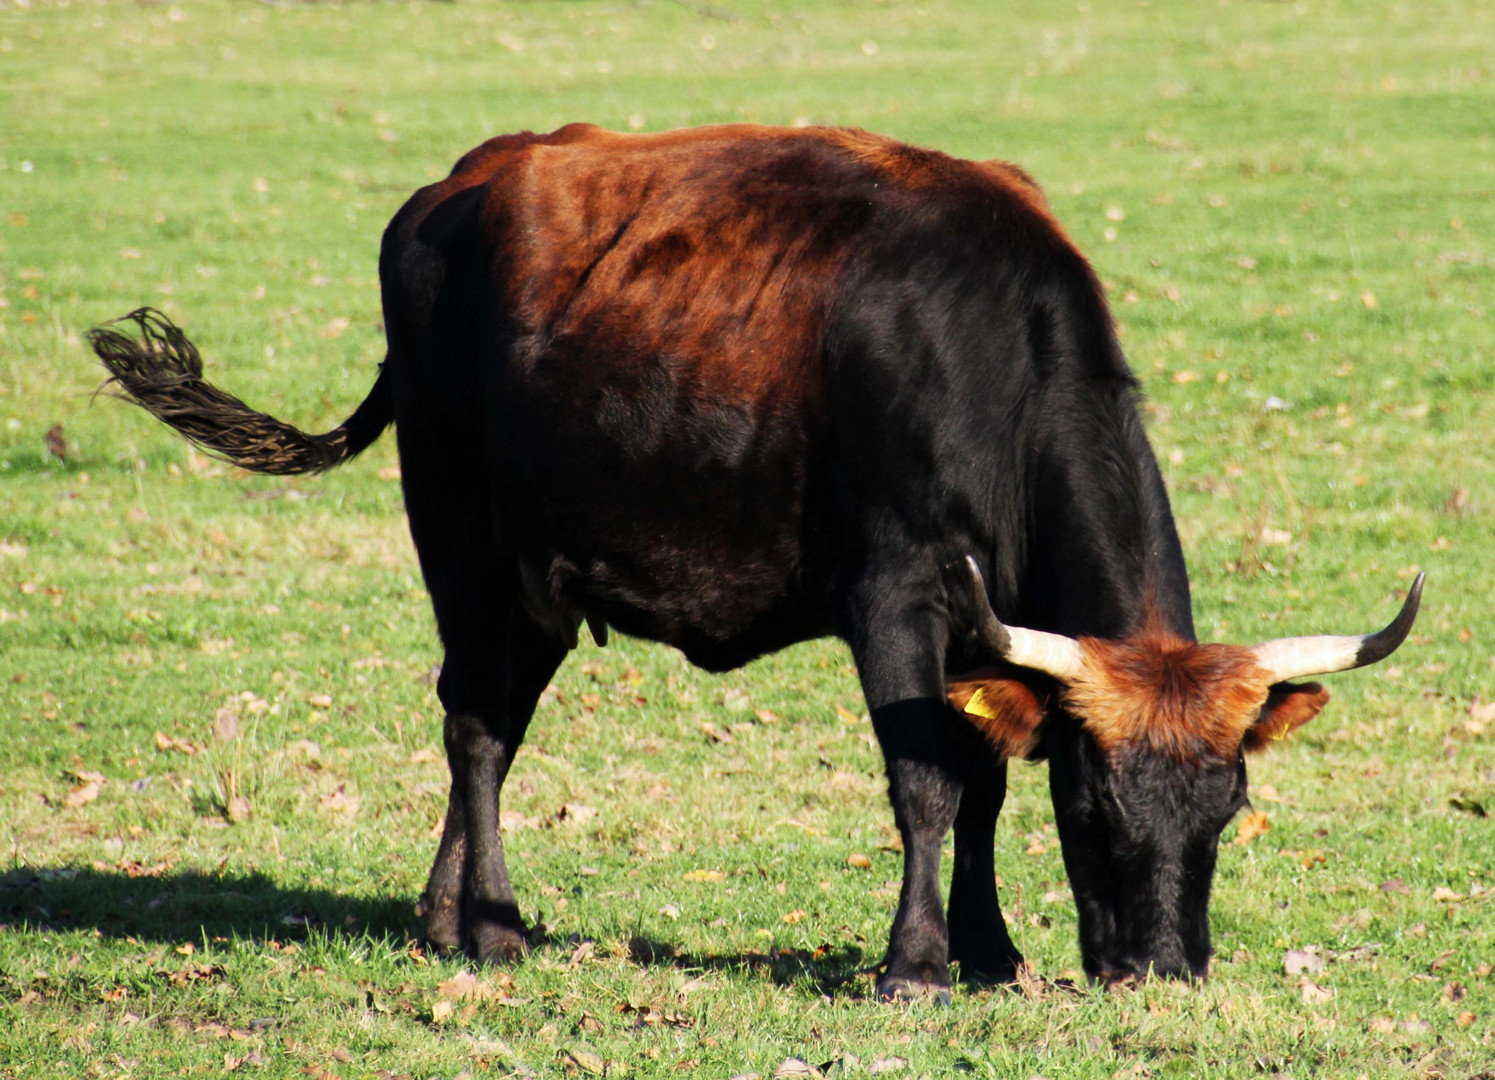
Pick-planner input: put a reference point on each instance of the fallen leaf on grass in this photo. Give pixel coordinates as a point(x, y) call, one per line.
point(192, 973)
point(715, 734)
point(1303, 961)
point(887, 1064)
point(238, 810)
point(1314, 994)
point(795, 1069)
point(465, 986)
point(441, 1011)
point(669, 911)
point(1394, 885)
point(1464, 1019)
point(848, 716)
point(793, 918)
point(83, 794)
point(338, 801)
point(1254, 824)
point(1444, 894)
point(857, 861)
point(587, 1060)
point(166, 742)
point(576, 814)
point(511, 820)
point(709, 877)
point(1454, 992)
point(226, 725)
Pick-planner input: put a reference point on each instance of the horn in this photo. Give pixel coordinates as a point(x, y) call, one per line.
point(1052, 654)
point(1293, 658)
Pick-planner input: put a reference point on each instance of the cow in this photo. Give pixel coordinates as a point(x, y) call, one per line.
point(739, 387)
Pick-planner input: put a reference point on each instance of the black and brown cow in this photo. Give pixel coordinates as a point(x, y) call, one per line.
point(738, 387)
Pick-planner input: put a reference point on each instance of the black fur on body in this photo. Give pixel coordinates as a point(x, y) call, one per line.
point(736, 388)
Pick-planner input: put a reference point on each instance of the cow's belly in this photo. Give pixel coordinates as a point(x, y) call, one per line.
point(696, 526)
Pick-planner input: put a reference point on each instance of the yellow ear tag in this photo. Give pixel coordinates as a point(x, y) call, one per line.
point(978, 705)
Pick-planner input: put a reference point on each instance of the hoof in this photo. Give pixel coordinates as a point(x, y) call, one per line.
point(897, 988)
point(994, 970)
point(499, 940)
point(441, 925)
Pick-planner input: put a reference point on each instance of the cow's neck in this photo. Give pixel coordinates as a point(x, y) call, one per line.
point(1103, 556)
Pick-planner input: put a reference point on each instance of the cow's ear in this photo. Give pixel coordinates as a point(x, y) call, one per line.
point(1289, 706)
point(1002, 706)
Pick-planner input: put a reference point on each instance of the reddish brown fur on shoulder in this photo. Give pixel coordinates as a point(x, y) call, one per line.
point(1183, 699)
point(1002, 706)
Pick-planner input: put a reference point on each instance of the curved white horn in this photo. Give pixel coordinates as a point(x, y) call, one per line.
point(1293, 658)
point(1052, 654)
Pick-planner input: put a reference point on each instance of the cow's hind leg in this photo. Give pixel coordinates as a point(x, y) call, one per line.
point(490, 698)
point(978, 934)
point(479, 757)
point(898, 638)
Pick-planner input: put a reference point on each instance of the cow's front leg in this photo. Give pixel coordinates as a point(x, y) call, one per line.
point(898, 636)
point(924, 786)
point(978, 934)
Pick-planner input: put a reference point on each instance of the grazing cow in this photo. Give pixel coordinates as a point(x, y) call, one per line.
point(738, 387)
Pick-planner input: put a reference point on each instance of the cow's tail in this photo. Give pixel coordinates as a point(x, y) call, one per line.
point(152, 363)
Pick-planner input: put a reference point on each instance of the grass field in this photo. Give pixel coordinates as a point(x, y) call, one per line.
point(220, 767)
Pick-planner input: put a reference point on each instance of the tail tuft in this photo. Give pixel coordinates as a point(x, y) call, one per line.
point(155, 366)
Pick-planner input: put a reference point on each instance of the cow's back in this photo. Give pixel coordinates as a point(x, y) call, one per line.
point(645, 329)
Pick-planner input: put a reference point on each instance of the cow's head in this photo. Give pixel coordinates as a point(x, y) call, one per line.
point(1146, 739)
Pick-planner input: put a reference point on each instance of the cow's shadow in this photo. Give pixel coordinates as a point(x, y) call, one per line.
point(170, 908)
point(190, 905)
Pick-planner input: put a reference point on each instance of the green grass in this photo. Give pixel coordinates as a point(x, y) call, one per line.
point(1306, 204)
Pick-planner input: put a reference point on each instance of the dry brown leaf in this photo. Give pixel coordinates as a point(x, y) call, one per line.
point(1314, 994)
point(794, 917)
point(339, 801)
point(576, 814)
point(1253, 824)
point(83, 794)
point(857, 861)
point(1303, 961)
point(226, 724)
point(166, 742)
point(795, 1069)
point(509, 819)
